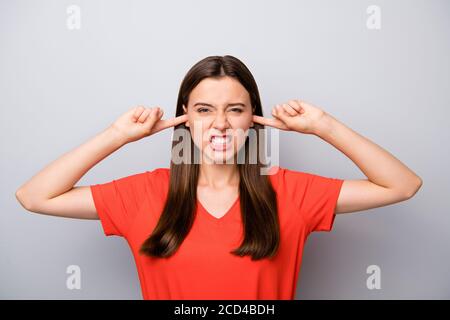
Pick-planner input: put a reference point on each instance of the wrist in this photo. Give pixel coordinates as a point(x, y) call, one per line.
point(115, 136)
point(324, 126)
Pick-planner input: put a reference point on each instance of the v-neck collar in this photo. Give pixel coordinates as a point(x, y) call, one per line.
point(230, 214)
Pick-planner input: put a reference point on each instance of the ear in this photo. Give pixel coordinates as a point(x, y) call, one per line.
point(252, 124)
point(185, 112)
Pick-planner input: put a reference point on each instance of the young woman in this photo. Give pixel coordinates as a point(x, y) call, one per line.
point(208, 227)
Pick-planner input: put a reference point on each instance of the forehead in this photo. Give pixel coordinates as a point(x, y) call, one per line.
point(219, 91)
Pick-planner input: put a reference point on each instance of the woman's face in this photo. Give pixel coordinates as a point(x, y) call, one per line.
point(219, 116)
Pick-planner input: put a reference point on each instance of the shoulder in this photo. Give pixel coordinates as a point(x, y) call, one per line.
point(157, 176)
point(277, 173)
point(285, 178)
point(158, 172)
point(140, 180)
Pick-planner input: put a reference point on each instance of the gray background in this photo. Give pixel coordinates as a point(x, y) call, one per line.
point(60, 87)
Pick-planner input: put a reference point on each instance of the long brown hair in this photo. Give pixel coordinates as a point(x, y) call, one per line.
point(257, 196)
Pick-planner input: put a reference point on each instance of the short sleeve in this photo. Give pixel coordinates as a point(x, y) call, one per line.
point(316, 197)
point(118, 201)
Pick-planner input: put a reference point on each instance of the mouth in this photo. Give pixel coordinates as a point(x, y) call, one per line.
point(220, 142)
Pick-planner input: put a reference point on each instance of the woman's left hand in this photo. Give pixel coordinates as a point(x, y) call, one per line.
point(295, 115)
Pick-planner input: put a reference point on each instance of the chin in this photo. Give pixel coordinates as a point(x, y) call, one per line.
point(219, 157)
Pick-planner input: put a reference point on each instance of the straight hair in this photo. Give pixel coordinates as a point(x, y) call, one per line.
point(258, 202)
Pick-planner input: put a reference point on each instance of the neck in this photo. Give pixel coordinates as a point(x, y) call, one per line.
point(218, 175)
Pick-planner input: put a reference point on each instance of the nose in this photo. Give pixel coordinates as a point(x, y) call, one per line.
point(221, 121)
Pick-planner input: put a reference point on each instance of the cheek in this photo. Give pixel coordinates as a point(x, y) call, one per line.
point(241, 126)
point(242, 121)
point(199, 130)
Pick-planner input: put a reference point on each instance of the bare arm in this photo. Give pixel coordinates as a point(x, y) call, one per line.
point(388, 179)
point(51, 191)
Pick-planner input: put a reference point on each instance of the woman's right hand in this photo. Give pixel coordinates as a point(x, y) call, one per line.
point(140, 122)
point(52, 191)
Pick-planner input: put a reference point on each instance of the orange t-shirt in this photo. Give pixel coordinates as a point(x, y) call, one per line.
point(203, 267)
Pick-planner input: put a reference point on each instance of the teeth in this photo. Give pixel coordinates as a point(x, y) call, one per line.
point(220, 140)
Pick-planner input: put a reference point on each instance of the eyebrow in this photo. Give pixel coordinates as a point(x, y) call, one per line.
point(210, 105)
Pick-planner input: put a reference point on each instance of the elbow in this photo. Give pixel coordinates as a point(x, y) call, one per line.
point(415, 187)
point(23, 199)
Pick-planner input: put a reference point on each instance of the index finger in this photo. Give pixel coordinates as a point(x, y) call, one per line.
point(269, 122)
point(164, 124)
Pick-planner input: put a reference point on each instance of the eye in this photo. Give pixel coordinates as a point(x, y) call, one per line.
point(202, 110)
point(238, 110)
